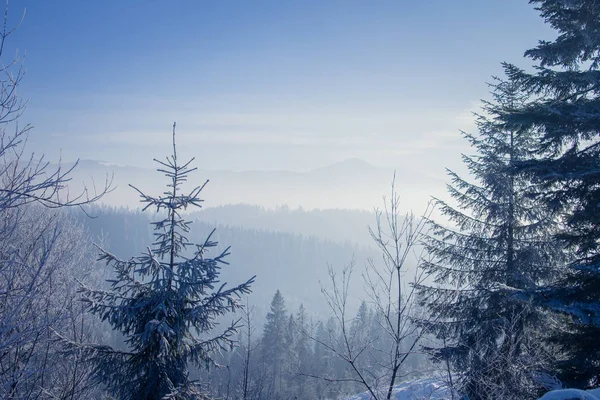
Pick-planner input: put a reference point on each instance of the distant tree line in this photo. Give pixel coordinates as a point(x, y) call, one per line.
point(290, 358)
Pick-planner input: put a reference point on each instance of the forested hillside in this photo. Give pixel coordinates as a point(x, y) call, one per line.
point(291, 262)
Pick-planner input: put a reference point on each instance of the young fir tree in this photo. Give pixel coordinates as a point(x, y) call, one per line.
point(565, 109)
point(164, 302)
point(499, 242)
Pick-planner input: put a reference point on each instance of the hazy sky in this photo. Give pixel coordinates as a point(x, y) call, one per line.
point(265, 84)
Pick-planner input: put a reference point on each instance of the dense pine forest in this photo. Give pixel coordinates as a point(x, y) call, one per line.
point(491, 292)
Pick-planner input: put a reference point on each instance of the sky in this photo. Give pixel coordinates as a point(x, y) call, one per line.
point(264, 85)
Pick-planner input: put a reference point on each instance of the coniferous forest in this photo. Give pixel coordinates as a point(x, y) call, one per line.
point(492, 292)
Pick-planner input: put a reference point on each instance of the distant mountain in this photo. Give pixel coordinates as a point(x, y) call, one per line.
point(348, 167)
point(350, 184)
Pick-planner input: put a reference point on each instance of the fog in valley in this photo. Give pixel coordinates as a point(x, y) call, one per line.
point(351, 184)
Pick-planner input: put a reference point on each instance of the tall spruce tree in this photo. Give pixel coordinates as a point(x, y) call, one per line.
point(497, 242)
point(565, 110)
point(274, 343)
point(164, 302)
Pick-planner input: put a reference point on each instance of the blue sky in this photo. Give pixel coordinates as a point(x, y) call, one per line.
point(265, 84)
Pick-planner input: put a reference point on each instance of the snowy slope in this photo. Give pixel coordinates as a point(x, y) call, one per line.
point(421, 389)
point(572, 394)
point(434, 389)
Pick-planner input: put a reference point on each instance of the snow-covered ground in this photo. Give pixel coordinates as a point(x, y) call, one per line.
point(434, 389)
point(572, 394)
point(421, 389)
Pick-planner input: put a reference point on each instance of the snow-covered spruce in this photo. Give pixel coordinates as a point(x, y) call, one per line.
point(499, 244)
point(565, 109)
point(164, 303)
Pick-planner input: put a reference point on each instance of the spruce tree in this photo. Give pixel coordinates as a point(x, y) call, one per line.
point(498, 242)
point(274, 342)
point(165, 302)
point(288, 384)
point(565, 110)
point(303, 355)
point(322, 364)
point(360, 325)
